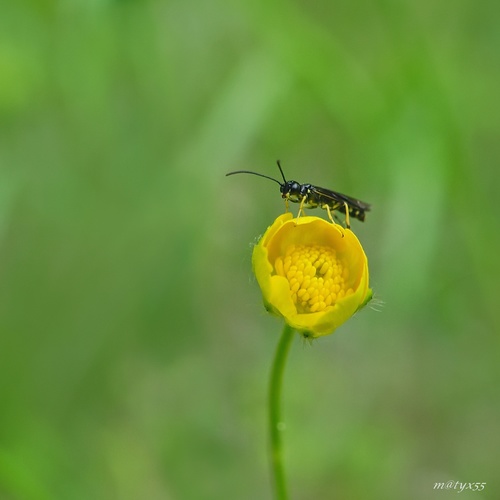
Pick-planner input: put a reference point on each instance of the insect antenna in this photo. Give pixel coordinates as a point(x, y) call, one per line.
point(262, 175)
point(254, 173)
point(281, 170)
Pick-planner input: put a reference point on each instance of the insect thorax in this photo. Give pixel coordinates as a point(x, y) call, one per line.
point(296, 192)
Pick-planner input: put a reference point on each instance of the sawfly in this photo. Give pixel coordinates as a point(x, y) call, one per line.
point(310, 196)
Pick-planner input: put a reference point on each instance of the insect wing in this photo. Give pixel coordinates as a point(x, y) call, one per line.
point(339, 197)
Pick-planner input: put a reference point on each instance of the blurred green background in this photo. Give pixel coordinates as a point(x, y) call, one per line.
point(134, 348)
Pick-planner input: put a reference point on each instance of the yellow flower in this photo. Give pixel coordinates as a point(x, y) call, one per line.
point(312, 273)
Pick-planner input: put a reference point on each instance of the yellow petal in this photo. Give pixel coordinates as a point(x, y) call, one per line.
point(312, 273)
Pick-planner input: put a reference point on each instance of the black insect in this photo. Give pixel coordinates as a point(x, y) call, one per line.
point(310, 196)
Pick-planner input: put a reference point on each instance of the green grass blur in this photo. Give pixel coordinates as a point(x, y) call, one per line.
point(134, 348)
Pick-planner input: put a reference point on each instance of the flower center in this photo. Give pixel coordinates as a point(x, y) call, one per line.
point(316, 276)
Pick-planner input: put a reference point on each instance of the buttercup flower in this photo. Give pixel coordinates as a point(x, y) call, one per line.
point(312, 273)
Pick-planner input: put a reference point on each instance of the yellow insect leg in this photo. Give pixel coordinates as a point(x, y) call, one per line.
point(347, 223)
point(329, 212)
point(301, 207)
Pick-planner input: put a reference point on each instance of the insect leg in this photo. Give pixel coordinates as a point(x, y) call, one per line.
point(347, 223)
point(329, 212)
point(301, 207)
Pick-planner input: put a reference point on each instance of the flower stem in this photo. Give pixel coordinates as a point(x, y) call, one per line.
point(276, 423)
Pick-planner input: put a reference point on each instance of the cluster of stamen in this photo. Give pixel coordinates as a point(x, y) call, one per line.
point(316, 276)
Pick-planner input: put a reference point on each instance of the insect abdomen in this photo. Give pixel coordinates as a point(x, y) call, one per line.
point(357, 214)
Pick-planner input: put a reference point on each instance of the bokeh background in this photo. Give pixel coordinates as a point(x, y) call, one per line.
point(134, 348)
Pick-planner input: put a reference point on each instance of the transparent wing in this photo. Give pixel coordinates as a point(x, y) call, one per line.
point(339, 197)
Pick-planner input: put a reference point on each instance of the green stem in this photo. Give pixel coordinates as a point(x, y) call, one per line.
point(276, 423)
